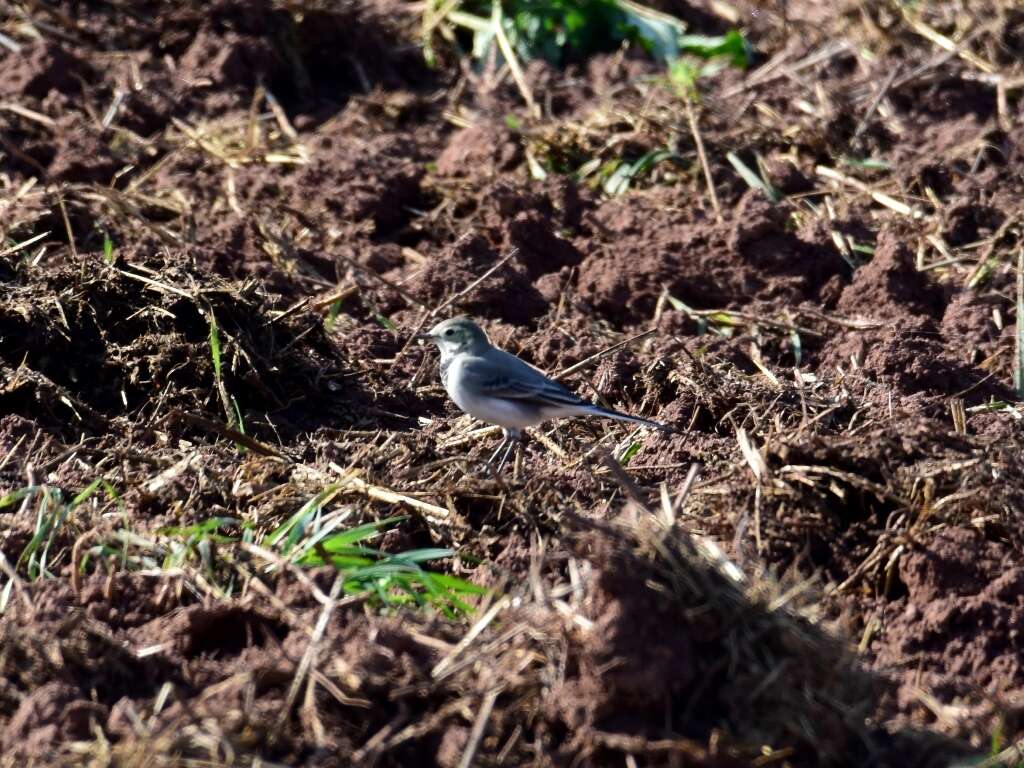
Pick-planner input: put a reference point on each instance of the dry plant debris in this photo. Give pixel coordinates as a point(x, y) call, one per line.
point(241, 525)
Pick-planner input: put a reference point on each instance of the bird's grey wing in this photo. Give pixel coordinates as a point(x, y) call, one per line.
point(503, 375)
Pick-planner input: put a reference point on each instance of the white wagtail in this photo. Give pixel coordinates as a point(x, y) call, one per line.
point(497, 387)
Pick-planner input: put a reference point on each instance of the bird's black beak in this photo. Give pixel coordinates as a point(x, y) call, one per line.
point(424, 337)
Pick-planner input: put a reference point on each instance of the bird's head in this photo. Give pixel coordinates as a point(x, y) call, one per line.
point(460, 334)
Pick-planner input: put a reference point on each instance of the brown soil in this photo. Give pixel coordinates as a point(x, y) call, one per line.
point(294, 175)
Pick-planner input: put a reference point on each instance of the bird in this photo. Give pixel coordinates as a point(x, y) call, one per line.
point(499, 388)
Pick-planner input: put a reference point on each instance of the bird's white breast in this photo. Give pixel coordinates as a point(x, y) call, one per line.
point(495, 410)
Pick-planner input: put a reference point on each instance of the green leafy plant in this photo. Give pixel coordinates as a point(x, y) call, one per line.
point(562, 31)
point(732, 46)
point(309, 538)
point(701, 56)
point(333, 311)
point(566, 30)
point(168, 548)
point(624, 173)
point(683, 74)
point(753, 179)
point(391, 580)
point(51, 514)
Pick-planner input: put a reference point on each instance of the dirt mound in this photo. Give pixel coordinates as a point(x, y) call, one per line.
point(889, 286)
point(510, 295)
point(915, 354)
point(41, 69)
point(699, 261)
point(948, 598)
point(121, 336)
point(612, 646)
point(480, 147)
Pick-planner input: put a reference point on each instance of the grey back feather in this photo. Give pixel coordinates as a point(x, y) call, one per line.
point(500, 374)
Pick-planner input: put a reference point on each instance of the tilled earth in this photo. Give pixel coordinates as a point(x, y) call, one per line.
point(843, 582)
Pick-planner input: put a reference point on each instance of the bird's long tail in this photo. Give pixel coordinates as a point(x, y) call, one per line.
point(597, 410)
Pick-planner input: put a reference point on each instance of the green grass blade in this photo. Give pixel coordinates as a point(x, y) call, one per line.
point(630, 451)
point(44, 521)
point(455, 584)
point(798, 347)
point(752, 179)
point(360, 533)
point(294, 526)
point(416, 556)
point(384, 569)
point(215, 346)
point(56, 523)
point(85, 493)
point(867, 163)
point(732, 45)
point(343, 562)
point(325, 544)
point(12, 498)
point(1018, 362)
point(238, 416)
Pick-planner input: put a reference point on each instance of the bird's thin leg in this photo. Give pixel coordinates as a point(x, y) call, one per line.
point(512, 443)
point(515, 439)
point(504, 440)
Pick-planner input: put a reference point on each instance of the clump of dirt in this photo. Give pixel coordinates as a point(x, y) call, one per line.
point(889, 286)
point(948, 596)
point(61, 682)
point(541, 251)
point(39, 69)
point(761, 239)
point(701, 262)
point(480, 147)
point(914, 359)
point(624, 659)
point(913, 352)
point(468, 260)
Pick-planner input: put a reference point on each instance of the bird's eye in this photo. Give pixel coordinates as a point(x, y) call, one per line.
point(449, 332)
